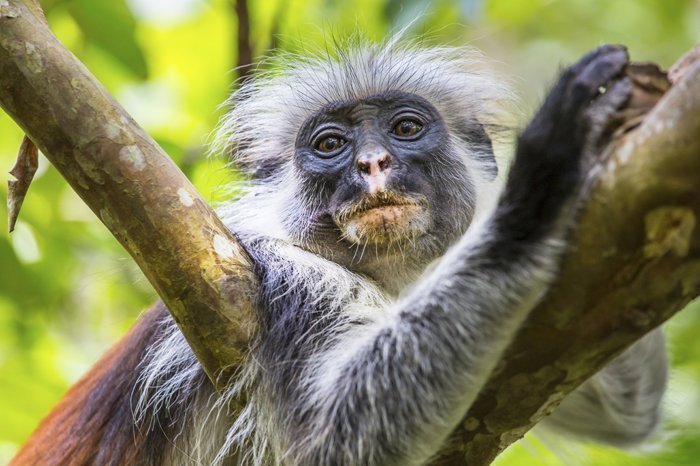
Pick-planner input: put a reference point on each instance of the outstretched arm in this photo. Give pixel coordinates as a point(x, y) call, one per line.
point(350, 383)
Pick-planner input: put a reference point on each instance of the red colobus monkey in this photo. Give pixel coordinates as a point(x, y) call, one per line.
point(384, 305)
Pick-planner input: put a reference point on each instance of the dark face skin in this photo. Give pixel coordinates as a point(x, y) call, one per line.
point(403, 126)
point(385, 172)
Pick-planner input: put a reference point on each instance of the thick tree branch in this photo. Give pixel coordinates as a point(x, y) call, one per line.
point(635, 258)
point(192, 260)
point(634, 262)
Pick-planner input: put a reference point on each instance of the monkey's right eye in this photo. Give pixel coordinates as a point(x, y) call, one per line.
point(330, 144)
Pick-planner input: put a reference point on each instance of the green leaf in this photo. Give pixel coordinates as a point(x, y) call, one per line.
point(111, 26)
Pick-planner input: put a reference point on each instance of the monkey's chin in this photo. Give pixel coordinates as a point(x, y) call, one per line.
point(386, 224)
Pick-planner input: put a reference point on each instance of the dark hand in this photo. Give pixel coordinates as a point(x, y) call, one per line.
point(551, 163)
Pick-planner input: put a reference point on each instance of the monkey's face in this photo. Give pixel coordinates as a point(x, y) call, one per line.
point(382, 169)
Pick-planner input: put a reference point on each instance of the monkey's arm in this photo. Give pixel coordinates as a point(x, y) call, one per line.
point(366, 387)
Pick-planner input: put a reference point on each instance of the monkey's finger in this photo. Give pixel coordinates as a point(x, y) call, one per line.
point(595, 54)
point(614, 95)
point(604, 114)
point(597, 75)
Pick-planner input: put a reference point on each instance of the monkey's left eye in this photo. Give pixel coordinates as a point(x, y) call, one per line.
point(407, 128)
point(330, 144)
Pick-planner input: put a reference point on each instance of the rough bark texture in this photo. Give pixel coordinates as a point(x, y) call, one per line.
point(634, 262)
point(635, 258)
point(192, 260)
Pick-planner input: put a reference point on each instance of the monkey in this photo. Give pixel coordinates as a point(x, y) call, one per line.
point(393, 274)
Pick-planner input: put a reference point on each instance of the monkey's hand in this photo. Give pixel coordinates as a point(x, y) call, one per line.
point(554, 152)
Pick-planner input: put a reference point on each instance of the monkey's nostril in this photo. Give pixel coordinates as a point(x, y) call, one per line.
point(384, 162)
point(364, 166)
point(373, 164)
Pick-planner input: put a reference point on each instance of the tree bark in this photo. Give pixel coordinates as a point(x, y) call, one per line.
point(634, 260)
point(197, 267)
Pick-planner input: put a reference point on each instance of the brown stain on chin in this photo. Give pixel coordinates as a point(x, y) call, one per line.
point(386, 223)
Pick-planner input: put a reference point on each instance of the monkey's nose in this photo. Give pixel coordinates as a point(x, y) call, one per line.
point(374, 166)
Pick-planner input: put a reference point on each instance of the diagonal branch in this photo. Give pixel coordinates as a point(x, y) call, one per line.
point(634, 262)
point(188, 255)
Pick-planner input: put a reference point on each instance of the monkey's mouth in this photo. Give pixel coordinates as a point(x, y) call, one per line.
point(384, 218)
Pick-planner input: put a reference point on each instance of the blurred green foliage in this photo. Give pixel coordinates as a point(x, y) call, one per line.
point(67, 290)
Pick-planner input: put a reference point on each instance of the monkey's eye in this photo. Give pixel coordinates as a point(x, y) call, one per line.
point(330, 144)
point(407, 128)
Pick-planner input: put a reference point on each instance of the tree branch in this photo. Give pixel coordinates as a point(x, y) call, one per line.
point(191, 259)
point(244, 58)
point(634, 261)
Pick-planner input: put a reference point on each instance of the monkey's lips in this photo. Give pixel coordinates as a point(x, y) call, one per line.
point(385, 220)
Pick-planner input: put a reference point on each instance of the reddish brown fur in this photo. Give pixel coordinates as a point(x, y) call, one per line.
point(93, 423)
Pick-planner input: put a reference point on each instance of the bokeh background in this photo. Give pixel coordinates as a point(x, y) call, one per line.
point(68, 291)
